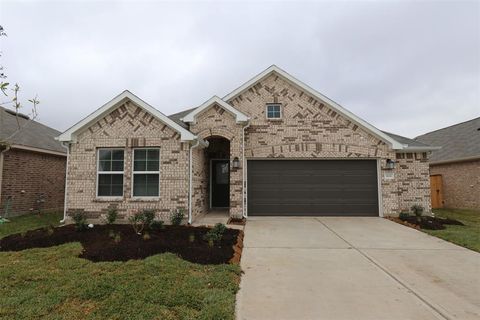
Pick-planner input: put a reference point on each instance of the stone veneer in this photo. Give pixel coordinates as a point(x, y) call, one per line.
point(128, 127)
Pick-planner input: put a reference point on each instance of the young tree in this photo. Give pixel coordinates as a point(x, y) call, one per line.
point(14, 101)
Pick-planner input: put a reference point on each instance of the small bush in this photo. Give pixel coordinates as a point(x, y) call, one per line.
point(417, 210)
point(137, 220)
point(215, 234)
point(146, 236)
point(191, 238)
point(80, 221)
point(404, 215)
point(50, 230)
point(177, 217)
point(149, 217)
point(111, 234)
point(117, 238)
point(157, 224)
point(112, 215)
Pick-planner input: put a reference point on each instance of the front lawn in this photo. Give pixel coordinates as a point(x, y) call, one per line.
point(29, 222)
point(55, 283)
point(467, 236)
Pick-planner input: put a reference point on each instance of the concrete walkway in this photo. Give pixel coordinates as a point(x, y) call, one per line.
point(353, 268)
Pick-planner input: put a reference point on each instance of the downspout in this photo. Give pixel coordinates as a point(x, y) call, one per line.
point(66, 146)
point(190, 173)
point(244, 182)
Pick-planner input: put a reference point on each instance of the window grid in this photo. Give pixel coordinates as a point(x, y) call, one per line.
point(274, 111)
point(105, 164)
point(137, 171)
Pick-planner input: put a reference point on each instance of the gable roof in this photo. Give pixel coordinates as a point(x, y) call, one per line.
point(239, 116)
point(69, 134)
point(459, 142)
point(299, 84)
point(33, 134)
point(411, 144)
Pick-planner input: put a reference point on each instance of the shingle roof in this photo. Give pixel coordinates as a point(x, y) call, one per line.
point(177, 116)
point(459, 141)
point(407, 141)
point(32, 134)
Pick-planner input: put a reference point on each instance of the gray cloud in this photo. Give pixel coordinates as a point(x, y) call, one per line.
point(405, 67)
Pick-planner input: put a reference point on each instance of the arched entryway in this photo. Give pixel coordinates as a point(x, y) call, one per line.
point(217, 156)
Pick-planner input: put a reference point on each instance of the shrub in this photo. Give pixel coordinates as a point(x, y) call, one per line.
point(149, 217)
point(137, 220)
point(146, 236)
point(117, 238)
point(80, 221)
point(191, 238)
point(177, 217)
point(417, 210)
point(157, 224)
point(404, 215)
point(112, 215)
point(215, 234)
point(50, 230)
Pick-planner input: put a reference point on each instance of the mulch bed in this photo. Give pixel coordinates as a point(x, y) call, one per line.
point(426, 222)
point(99, 243)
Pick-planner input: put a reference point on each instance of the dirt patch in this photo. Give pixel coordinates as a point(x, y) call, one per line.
point(426, 222)
point(121, 243)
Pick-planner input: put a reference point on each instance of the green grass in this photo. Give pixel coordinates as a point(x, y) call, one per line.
point(467, 236)
point(53, 283)
point(29, 222)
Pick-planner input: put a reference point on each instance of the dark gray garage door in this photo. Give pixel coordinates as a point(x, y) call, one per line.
point(312, 188)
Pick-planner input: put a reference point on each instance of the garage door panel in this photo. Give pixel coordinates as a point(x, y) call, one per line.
point(312, 187)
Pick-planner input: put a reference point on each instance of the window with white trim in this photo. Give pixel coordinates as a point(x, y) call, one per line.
point(274, 111)
point(110, 172)
point(146, 172)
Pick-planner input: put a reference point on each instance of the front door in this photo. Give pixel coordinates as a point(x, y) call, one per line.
point(220, 183)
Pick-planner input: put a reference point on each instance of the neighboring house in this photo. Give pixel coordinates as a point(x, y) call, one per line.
point(32, 166)
point(455, 168)
point(273, 146)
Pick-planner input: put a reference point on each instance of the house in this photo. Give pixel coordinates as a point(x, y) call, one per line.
point(32, 166)
point(455, 168)
point(273, 146)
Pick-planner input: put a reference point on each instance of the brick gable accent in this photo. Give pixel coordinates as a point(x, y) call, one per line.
point(128, 126)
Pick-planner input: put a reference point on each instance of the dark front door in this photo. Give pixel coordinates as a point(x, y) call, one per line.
point(312, 188)
point(220, 183)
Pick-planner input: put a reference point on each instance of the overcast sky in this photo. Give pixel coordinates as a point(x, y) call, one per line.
point(405, 67)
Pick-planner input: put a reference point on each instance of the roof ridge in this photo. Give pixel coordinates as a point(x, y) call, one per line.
point(452, 125)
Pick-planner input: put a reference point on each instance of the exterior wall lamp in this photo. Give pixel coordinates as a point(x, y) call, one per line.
point(236, 163)
point(390, 164)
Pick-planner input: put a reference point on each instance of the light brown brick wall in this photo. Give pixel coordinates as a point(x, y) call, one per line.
point(461, 183)
point(215, 121)
point(126, 127)
point(33, 181)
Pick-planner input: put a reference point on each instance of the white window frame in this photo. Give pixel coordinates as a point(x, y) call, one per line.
point(145, 172)
point(270, 105)
point(110, 172)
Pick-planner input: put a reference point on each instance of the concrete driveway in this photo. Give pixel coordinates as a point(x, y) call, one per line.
point(353, 268)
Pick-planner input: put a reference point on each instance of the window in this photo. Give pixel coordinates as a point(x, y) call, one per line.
point(146, 172)
point(110, 173)
point(274, 111)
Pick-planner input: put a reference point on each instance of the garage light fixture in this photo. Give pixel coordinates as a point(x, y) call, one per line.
point(390, 164)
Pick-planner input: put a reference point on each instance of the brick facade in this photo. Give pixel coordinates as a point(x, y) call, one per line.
point(309, 129)
point(461, 183)
point(128, 127)
point(32, 182)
